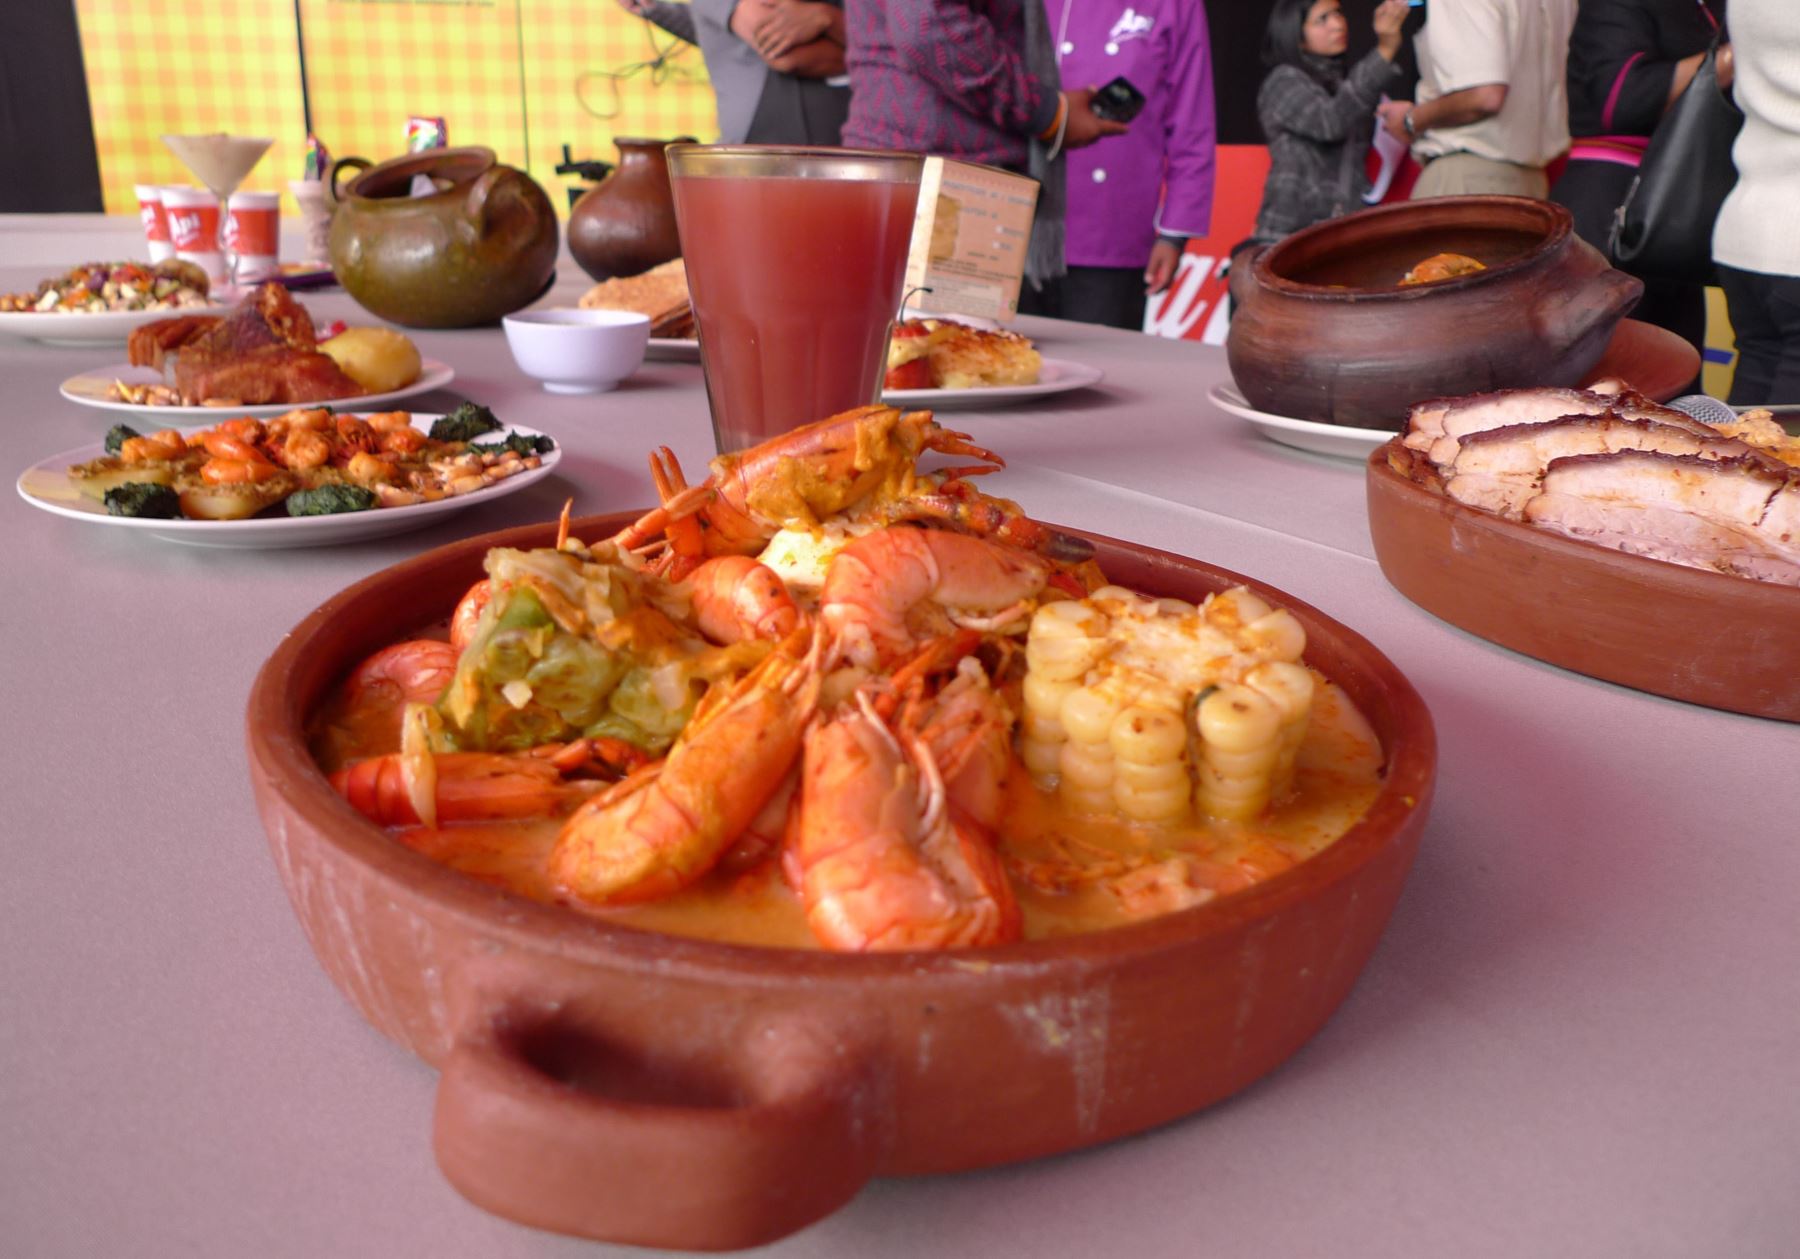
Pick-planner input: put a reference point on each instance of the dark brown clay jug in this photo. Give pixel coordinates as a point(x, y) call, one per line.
point(481, 246)
point(1323, 330)
point(626, 224)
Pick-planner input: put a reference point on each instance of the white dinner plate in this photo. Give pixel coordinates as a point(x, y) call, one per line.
point(90, 390)
point(46, 485)
point(1055, 376)
point(1344, 440)
point(99, 327)
point(674, 349)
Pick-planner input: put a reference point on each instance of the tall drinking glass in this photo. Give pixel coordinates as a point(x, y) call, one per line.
point(795, 260)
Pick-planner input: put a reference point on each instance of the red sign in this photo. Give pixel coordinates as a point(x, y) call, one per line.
point(1194, 304)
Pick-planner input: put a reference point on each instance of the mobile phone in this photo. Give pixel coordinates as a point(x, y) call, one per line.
point(1118, 101)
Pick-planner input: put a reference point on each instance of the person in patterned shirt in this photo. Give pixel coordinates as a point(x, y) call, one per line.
point(949, 77)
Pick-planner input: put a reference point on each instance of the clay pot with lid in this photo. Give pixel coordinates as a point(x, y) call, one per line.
point(482, 246)
point(621, 1084)
point(1323, 330)
point(625, 224)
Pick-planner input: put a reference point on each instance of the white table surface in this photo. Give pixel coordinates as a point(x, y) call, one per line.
point(1580, 1035)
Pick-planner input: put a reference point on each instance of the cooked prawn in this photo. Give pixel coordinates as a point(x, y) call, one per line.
point(471, 787)
point(813, 472)
point(468, 612)
point(736, 598)
point(415, 671)
point(670, 822)
point(876, 582)
point(881, 859)
point(165, 443)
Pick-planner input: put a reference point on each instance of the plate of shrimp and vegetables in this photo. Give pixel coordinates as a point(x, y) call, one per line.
point(304, 478)
point(828, 698)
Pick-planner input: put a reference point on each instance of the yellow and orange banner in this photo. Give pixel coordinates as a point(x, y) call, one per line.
point(523, 77)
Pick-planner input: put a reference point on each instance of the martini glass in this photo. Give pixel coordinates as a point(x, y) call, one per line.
point(221, 162)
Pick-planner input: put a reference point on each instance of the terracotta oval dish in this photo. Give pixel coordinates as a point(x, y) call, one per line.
point(1325, 332)
point(1685, 633)
point(629, 1086)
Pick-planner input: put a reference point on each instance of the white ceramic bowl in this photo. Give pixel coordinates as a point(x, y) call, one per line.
point(577, 351)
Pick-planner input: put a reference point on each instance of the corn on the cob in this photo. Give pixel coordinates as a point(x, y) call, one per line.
point(1150, 708)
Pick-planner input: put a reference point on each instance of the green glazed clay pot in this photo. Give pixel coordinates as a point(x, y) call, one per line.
point(483, 245)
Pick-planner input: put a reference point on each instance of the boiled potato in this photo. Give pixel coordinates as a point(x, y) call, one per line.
point(379, 359)
point(97, 476)
point(201, 501)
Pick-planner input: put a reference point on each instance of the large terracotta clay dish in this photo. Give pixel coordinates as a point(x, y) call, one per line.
point(634, 1087)
point(1685, 633)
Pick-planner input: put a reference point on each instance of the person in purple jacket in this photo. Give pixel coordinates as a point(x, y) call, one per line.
point(1135, 200)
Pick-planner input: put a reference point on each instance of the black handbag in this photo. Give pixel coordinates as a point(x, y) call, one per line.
point(1664, 228)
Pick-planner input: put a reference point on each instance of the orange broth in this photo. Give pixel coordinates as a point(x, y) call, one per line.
point(1339, 775)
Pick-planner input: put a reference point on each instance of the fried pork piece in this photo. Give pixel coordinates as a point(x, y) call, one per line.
point(1735, 515)
point(150, 344)
point(264, 351)
point(1438, 426)
point(268, 375)
point(1500, 469)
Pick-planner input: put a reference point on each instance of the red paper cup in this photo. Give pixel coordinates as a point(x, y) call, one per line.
point(156, 222)
point(193, 215)
point(253, 233)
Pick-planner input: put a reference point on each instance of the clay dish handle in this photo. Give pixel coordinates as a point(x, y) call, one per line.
point(1605, 298)
point(481, 192)
point(542, 1119)
point(338, 167)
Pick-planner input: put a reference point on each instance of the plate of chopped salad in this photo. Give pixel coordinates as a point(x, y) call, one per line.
point(312, 477)
point(99, 303)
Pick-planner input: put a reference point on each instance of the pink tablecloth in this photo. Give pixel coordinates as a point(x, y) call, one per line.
point(1579, 1036)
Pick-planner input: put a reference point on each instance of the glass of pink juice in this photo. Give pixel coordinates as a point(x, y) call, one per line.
point(795, 260)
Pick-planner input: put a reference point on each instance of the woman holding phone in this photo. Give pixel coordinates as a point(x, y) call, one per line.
point(1628, 62)
point(1135, 199)
point(1318, 113)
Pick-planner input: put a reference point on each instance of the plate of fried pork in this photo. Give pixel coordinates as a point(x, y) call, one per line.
point(259, 358)
point(1606, 534)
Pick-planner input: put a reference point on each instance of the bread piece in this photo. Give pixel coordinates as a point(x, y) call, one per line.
point(660, 293)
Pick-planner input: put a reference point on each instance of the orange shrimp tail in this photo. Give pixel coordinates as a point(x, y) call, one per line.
point(655, 523)
point(687, 540)
point(471, 787)
point(736, 599)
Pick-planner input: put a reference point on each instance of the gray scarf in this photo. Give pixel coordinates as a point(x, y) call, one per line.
point(1044, 257)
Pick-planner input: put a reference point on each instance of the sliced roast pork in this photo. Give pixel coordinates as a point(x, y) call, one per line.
point(1499, 469)
point(1733, 515)
point(1438, 427)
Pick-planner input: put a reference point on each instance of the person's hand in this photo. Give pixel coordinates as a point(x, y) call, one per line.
point(746, 16)
point(1390, 16)
point(1084, 125)
point(1393, 119)
point(1723, 65)
point(787, 24)
point(1165, 256)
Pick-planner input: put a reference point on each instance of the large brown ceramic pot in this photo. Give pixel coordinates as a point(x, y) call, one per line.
point(635, 1087)
point(1323, 331)
point(626, 224)
point(482, 246)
